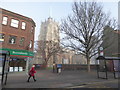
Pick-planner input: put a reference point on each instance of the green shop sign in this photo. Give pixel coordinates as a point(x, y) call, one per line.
point(19, 52)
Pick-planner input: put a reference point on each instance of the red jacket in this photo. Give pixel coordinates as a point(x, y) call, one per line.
point(32, 71)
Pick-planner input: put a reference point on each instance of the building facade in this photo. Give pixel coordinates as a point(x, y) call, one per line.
point(49, 32)
point(110, 46)
point(17, 37)
point(119, 15)
point(111, 42)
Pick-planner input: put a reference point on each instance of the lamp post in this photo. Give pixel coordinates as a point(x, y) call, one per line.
point(53, 67)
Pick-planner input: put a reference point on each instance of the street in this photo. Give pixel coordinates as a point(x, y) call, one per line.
point(66, 79)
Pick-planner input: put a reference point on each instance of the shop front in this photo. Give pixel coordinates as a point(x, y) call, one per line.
point(19, 59)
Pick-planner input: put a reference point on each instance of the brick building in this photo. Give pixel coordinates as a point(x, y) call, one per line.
point(17, 37)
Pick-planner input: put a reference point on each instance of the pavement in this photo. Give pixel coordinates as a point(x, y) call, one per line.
point(66, 79)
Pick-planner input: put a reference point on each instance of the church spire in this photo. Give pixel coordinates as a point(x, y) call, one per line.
point(50, 12)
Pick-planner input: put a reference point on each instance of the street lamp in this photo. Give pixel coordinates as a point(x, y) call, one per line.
point(53, 67)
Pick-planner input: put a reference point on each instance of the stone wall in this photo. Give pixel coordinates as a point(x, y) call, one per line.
point(76, 67)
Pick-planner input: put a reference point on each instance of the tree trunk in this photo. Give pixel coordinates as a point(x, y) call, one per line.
point(45, 65)
point(88, 64)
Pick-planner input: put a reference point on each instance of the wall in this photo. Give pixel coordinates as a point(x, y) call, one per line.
point(110, 42)
point(9, 30)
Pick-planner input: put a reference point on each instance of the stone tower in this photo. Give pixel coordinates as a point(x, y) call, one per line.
point(49, 32)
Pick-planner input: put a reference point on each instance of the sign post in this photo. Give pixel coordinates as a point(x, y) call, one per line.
point(4, 67)
point(59, 67)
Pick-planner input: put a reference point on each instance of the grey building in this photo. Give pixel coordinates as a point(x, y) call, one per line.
point(111, 42)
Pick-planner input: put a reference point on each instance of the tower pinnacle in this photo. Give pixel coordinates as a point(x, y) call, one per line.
point(50, 12)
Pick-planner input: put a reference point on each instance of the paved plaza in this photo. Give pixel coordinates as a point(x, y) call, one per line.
point(66, 79)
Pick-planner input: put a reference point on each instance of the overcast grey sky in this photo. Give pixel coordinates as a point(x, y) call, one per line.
point(39, 11)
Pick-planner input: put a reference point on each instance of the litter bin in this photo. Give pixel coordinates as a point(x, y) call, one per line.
point(59, 68)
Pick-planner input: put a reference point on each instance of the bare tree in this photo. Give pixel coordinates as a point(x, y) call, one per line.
point(84, 29)
point(47, 49)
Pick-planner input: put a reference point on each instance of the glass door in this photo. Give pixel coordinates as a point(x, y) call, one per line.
point(1, 63)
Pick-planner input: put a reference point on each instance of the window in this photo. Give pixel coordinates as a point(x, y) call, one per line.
point(32, 29)
point(2, 37)
point(23, 25)
point(14, 23)
point(22, 39)
point(5, 20)
point(12, 39)
point(30, 44)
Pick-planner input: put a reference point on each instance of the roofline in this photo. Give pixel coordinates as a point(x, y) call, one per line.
point(4, 11)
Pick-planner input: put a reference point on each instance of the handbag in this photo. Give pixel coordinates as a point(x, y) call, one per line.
point(30, 73)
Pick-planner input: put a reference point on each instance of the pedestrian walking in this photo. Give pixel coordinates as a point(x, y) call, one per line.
point(32, 73)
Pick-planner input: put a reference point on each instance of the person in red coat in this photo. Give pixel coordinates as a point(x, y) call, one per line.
point(31, 73)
